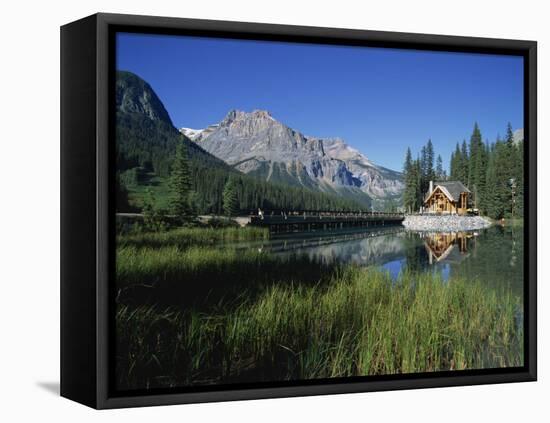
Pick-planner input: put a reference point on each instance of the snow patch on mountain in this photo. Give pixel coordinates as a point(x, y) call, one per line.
point(191, 133)
point(518, 135)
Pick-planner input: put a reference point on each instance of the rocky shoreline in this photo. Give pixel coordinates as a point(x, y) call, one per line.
point(449, 223)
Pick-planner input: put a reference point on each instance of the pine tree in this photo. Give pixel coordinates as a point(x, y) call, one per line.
point(477, 167)
point(452, 164)
point(418, 185)
point(439, 172)
point(430, 173)
point(491, 198)
point(501, 189)
point(464, 163)
point(512, 174)
point(481, 173)
point(475, 142)
point(426, 162)
point(230, 200)
point(152, 217)
point(408, 161)
point(494, 173)
point(456, 164)
point(180, 185)
point(409, 195)
point(423, 162)
point(520, 181)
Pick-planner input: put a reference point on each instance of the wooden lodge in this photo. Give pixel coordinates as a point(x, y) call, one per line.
point(450, 197)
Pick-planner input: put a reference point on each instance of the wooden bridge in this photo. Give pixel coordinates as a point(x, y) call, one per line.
point(280, 221)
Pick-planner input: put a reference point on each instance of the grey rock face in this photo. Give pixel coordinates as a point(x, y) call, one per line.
point(134, 95)
point(518, 135)
point(375, 180)
point(257, 143)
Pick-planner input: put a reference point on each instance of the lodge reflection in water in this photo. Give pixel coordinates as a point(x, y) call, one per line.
point(491, 256)
point(393, 248)
point(448, 246)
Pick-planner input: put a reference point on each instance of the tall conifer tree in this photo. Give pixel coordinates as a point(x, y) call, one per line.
point(410, 179)
point(230, 199)
point(430, 173)
point(512, 174)
point(180, 185)
point(464, 159)
point(439, 172)
point(456, 163)
point(520, 189)
point(418, 186)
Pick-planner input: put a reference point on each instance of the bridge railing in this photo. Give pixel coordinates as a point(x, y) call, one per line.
point(321, 214)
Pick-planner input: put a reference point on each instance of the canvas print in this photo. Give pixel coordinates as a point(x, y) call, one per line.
point(290, 212)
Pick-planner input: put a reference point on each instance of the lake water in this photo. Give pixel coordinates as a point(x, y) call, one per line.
point(492, 256)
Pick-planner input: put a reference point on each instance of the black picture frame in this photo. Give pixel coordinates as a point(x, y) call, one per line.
point(87, 78)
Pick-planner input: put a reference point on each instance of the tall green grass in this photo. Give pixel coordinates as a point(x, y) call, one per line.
point(361, 323)
point(175, 276)
point(186, 237)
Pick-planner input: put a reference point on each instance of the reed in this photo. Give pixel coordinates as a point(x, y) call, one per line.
point(203, 274)
point(186, 237)
point(358, 323)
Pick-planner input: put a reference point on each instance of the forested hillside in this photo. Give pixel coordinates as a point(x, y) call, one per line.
point(146, 142)
point(492, 171)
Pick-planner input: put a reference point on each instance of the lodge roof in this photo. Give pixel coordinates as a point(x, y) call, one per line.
point(452, 189)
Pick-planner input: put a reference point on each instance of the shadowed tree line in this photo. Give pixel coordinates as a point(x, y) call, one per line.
point(197, 187)
point(494, 173)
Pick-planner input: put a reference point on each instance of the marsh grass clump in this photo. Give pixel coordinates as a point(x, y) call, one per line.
point(205, 275)
point(360, 323)
point(192, 236)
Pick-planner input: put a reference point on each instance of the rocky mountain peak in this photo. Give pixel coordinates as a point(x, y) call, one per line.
point(134, 95)
point(261, 114)
point(256, 143)
point(239, 117)
point(339, 149)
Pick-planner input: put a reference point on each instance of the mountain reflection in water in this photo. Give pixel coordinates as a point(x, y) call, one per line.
point(493, 256)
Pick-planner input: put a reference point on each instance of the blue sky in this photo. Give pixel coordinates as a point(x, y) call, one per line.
point(378, 100)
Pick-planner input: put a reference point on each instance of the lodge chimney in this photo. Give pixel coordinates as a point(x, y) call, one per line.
point(431, 187)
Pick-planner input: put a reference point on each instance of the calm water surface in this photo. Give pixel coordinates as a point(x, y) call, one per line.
point(492, 256)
